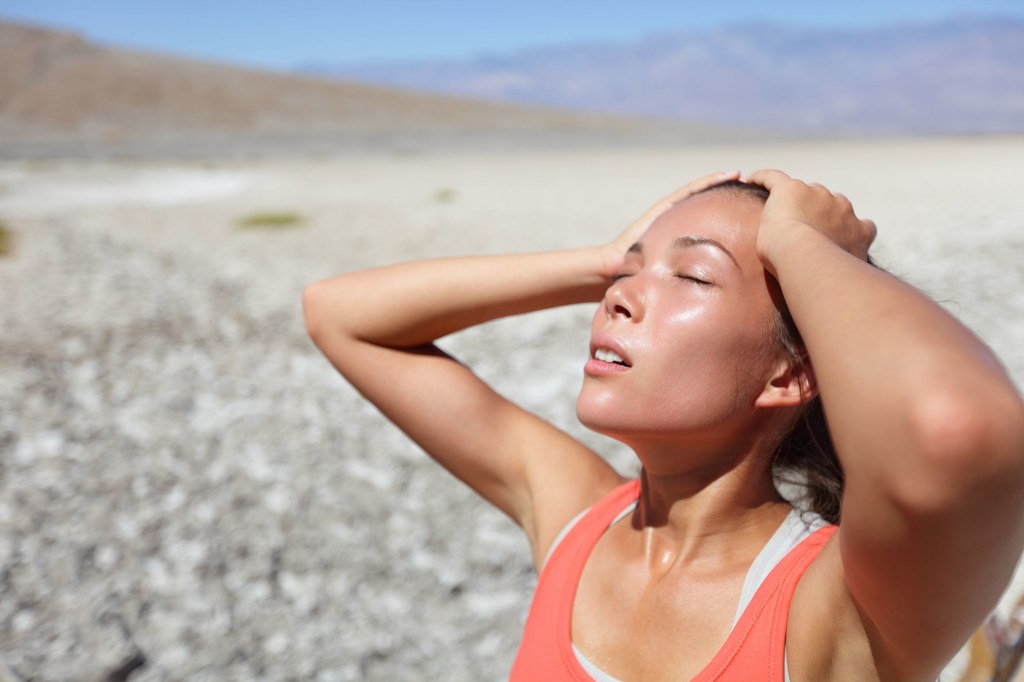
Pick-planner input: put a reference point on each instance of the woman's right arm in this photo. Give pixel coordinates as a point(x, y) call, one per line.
point(377, 327)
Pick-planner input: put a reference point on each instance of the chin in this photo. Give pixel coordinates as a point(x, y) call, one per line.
point(586, 416)
point(600, 418)
point(587, 412)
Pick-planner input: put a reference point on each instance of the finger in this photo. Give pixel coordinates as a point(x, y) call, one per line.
point(821, 190)
point(701, 184)
point(872, 229)
point(768, 178)
point(844, 202)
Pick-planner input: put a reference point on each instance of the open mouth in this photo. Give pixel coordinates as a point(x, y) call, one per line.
point(610, 356)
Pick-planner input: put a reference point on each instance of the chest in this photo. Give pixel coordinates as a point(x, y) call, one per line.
point(637, 622)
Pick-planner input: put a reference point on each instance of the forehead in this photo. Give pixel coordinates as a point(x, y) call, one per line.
point(726, 216)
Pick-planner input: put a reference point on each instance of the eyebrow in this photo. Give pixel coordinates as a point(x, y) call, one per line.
point(691, 241)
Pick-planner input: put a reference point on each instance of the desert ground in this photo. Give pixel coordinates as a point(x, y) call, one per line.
point(189, 492)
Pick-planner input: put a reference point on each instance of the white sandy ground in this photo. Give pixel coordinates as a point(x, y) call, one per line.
point(182, 476)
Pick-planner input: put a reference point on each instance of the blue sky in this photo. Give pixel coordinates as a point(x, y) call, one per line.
point(282, 35)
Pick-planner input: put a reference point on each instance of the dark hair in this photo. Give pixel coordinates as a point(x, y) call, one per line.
point(805, 457)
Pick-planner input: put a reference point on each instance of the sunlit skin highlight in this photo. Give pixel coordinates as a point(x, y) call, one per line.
point(691, 313)
point(695, 366)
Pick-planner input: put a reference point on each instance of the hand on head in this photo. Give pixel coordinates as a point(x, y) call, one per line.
point(616, 249)
point(793, 204)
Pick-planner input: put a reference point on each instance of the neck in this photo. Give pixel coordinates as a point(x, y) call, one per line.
point(717, 506)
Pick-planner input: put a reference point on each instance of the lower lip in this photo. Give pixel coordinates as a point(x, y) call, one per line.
point(599, 368)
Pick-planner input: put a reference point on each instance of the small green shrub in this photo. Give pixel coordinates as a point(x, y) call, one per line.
point(6, 240)
point(270, 220)
point(444, 195)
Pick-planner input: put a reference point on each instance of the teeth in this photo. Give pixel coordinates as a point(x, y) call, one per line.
point(606, 355)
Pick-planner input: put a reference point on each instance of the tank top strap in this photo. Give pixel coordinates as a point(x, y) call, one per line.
point(754, 650)
point(756, 647)
point(546, 649)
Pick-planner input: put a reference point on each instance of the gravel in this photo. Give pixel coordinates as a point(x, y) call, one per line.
point(187, 491)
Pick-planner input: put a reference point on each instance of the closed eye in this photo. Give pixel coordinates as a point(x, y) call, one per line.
point(616, 277)
point(697, 280)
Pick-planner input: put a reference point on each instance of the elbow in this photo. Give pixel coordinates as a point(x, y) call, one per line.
point(970, 447)
point(313, 305)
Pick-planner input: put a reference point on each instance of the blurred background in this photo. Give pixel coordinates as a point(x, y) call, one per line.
point(124, 78)
point(187, 491)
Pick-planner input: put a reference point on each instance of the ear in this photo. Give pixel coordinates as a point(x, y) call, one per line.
point(790, 385)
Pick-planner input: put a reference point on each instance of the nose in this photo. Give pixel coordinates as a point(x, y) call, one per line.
point(624, 300)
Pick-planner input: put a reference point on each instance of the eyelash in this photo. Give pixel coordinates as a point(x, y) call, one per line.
point(695, 280)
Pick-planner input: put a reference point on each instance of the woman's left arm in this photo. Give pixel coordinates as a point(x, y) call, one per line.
point(927, 425)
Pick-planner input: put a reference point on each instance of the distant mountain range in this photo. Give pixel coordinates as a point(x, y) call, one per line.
point(61, 95)
point(963, 75)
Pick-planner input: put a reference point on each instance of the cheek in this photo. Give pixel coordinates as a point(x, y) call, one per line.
point(702, 364)
point(712, 358)
point(702, 339)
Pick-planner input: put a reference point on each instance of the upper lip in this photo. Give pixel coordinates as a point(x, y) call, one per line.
point(602, 341)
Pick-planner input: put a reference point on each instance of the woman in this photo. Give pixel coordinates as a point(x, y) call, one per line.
point(701, 570)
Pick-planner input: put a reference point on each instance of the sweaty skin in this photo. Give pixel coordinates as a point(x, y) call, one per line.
point(927, 426)
point(702, 403)
point(686, 314)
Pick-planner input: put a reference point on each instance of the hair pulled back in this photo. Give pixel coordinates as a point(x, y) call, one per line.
point(805, 457)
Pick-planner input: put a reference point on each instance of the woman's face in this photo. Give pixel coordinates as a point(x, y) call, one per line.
point(680, 344)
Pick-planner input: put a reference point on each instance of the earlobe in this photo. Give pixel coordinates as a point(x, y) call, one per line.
point(789, 386)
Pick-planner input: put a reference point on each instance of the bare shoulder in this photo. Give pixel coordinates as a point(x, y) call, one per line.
point(564, 480)
point(826, 638)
